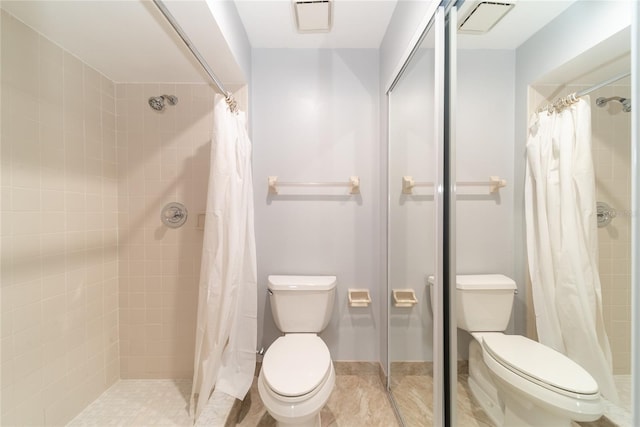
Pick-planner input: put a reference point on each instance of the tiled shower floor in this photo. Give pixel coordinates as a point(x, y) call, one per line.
point(150, 403)
point(620, 414)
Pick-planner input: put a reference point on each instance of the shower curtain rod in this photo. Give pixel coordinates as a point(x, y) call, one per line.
point(172, 20)
point(603, 84)
point(563, 102)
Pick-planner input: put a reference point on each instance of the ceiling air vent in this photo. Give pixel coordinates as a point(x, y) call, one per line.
point(312, 16)
point(483, 16)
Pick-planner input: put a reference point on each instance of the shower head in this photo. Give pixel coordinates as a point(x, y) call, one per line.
point(157, 102)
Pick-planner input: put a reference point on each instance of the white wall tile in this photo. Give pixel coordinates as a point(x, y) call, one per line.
point(610, 145)
point(154, 160)
point(55, 141)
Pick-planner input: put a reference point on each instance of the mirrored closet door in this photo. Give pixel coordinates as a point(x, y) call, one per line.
point(555, 230)
point(414, 231)
point(467, 199)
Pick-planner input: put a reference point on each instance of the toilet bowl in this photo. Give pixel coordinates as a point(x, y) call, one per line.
point(297, 375)
point(538, 385)
point(296, 379)
point(518, 381)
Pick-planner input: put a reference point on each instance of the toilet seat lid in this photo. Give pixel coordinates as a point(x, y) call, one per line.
point(296, 364)
point(539, 363)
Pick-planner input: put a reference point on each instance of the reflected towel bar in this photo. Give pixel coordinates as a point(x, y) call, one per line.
point(495, 183)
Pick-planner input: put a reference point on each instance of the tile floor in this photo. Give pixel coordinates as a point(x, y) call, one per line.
point(359, 399)
point(412, 392)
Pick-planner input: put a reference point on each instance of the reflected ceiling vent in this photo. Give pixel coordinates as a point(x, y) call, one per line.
point(312, 16)
point(483, 16)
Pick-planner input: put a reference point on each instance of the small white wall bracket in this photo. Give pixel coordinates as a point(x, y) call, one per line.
point(407, 185)
point(201, 219)
point(355, 185)
point(404, 298)
point(273, 182)
point(496, 183)
point(359, 298)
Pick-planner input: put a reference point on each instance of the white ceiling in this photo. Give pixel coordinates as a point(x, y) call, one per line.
point(524, 20)
point(356, 24)
point(363, 23)
point(130, 41)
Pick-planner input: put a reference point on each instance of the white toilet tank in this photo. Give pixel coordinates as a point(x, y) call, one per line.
point(302, 303)
point(484, 302)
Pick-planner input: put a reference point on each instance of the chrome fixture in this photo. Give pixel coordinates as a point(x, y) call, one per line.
point(157, 102)
point(174, 215)
point(561, 103)
point(231, 102)
point(605, 214)
point(626, 102)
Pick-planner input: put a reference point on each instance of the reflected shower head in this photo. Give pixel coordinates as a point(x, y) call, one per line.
point(626, 105)
point(157, 102)
point(626, 102)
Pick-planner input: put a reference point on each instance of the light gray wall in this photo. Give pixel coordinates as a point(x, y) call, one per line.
point(590, 22)
point(484, 147)
point(484, 222)
point(228, 19)
point(405, 23)
point(316, 114)
point(357, 334)
point(412, 242)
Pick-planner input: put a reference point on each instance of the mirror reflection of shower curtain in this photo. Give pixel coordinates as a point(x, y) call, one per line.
point(562, 241)
point(225, 355)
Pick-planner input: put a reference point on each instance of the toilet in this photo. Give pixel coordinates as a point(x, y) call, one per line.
point(518, 381)
point(297, 375)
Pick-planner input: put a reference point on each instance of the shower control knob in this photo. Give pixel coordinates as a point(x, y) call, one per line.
point(173, 215)
point(605, 214)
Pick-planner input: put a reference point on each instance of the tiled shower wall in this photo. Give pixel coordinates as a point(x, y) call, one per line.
point(94, 288)
point(162, 157)
point(612, 153)
point(611, 145)
point(611, 142)
point(59, 347)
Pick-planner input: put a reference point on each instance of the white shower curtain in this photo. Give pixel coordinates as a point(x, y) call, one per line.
point(225, 353)
point(562, 241)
